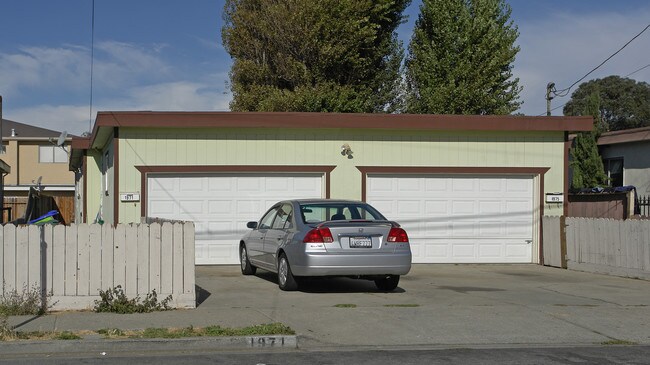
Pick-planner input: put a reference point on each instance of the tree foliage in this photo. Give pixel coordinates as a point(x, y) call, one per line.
point(588, 170)
point(314, 55)
point(460, 58)
point(624, 103)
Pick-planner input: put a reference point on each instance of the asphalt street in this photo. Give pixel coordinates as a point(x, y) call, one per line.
point(434, 307)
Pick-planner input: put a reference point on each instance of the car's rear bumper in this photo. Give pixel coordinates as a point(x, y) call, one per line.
point(328, 264)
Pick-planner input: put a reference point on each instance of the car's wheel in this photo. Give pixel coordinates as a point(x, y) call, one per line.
point(387, 283)
point(246, 267)
point(286, 280)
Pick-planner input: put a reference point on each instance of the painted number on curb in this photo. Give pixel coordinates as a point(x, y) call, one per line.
point(267, 341)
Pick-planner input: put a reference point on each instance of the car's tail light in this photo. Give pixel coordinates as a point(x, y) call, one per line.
point(317, 235)
point(397, 235)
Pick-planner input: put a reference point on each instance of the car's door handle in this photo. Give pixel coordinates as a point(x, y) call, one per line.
point(279, 238)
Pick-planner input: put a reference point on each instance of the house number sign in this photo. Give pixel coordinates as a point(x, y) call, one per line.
point(554, 197)
point(130, 197)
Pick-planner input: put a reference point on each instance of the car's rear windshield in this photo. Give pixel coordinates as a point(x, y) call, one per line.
point(320, 212)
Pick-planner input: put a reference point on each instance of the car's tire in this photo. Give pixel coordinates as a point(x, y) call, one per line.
point(286, 280)
point(387, 283)
point(246, 267)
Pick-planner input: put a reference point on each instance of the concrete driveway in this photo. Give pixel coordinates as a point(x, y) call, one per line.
point(463, 305)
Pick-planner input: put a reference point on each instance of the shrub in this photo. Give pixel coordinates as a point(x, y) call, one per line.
point(6, 331)
point(115, 301)
point(29, 301)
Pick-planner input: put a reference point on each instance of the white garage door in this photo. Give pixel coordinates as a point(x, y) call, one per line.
point(220, 205)
point(459, 219)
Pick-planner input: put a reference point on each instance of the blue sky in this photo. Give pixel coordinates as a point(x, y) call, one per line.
point(161, 55)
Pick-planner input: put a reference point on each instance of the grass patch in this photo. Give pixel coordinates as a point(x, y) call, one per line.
point(66, 335)
point(618, 342)
point(401, 305)
point(345, 305)
point(8, 334)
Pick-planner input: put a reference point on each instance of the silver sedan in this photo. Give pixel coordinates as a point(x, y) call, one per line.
point(323, 237)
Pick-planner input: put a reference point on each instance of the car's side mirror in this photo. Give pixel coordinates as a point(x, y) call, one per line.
point(251, 225)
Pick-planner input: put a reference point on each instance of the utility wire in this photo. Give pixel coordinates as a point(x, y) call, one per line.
point(642, 68)
point(565, 92)
point(92, 64)
point(630, 74)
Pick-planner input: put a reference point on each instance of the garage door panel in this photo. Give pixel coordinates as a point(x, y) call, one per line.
point(248, 184)
point(409, 185)
point(221, 204)
point(192, 184)
point(491, 228)
point(487, 185)
point(517, 185)
point(461, 219)
point(220, 185)
point(408, 208)
point(462, 185)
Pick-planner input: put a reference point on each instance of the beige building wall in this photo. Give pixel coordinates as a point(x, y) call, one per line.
point(23, 157)
point(147, 147)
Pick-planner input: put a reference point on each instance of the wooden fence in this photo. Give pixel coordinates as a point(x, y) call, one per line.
point(72, 263)
point(63, 203)
point(606, 246)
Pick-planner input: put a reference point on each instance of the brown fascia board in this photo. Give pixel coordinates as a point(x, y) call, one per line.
point(79, 146)
point(150, 119)
point(625, 136)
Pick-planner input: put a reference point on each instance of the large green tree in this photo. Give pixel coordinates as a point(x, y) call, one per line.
point(624, 103)
point(460, 59)
point(314, 55)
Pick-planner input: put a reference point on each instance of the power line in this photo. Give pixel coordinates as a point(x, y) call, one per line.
point(92, 64)
point(550, 88)
point(566, 91)
point(642, 68)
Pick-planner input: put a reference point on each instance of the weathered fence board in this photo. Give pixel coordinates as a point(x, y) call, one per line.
point(73, 263)
point(552, 248)
point(605, 246)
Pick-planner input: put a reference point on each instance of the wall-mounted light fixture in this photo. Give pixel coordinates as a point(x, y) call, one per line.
point(346, 151)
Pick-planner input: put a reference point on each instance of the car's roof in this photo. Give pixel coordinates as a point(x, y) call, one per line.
point(325, 201)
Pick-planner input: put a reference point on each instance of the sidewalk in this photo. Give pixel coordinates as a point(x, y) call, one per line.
point(435, 305)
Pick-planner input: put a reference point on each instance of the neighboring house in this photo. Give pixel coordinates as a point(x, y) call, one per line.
point(626, 158)
point(34, 156)
point(468, 189)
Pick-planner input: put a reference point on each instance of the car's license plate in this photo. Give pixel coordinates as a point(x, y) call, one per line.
point(360, 242)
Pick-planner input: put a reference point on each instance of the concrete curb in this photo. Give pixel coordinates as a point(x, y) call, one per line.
point(107, 347)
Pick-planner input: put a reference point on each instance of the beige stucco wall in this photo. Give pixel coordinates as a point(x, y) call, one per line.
point(23, 158)
point(139, 147)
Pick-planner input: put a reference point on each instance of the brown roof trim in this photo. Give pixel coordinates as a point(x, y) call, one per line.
point(82, 143)
point(341, 120)
point(625, 136)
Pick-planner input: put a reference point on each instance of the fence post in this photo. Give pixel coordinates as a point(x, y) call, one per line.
point(563, 252)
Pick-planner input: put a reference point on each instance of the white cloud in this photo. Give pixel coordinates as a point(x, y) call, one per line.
point(119, 64)
point(65, 68)
point(562, 48)
point(173, 96)
point(72, 118)
point(177, 96)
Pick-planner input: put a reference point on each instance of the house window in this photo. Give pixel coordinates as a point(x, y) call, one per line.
point(614, 170)
point(52, 154)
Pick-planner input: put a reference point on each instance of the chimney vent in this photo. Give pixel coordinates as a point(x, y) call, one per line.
point(13, 132)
